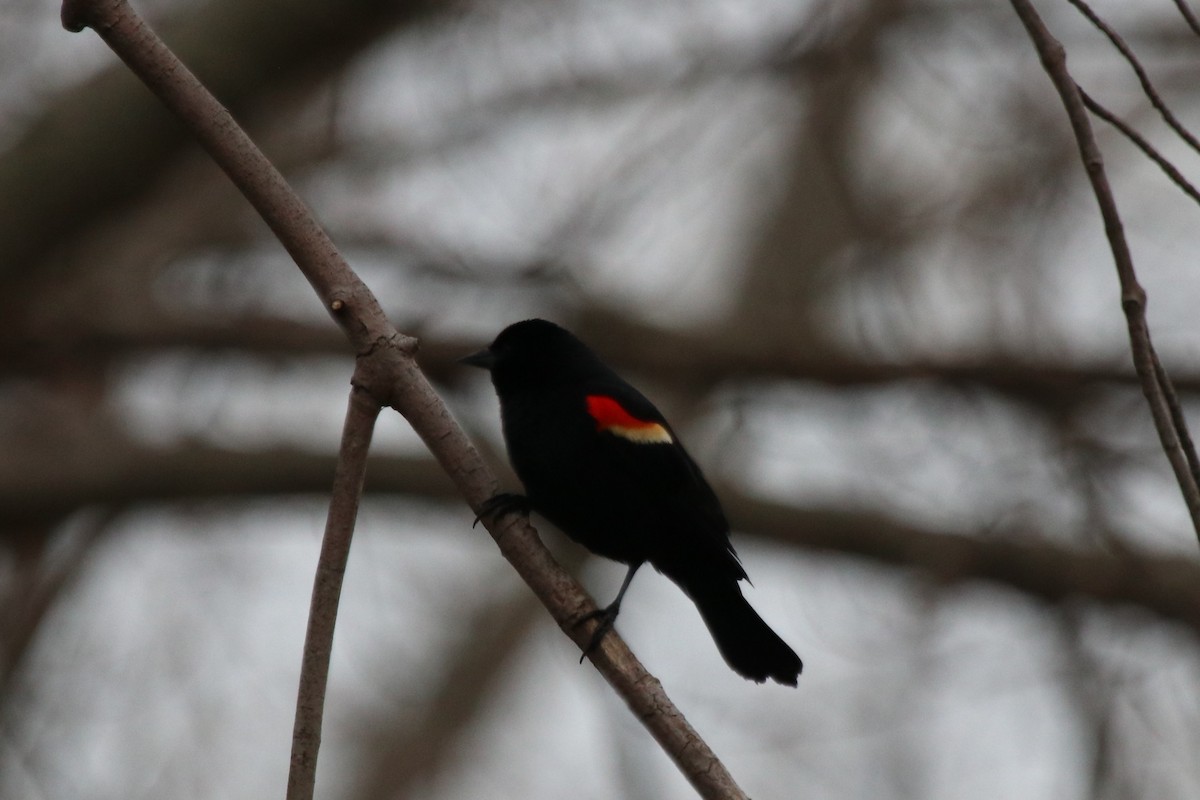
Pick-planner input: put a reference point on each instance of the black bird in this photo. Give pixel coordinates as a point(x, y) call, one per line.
point(602, 463)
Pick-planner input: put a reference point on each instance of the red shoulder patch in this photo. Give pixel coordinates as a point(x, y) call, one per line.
point(612, 417)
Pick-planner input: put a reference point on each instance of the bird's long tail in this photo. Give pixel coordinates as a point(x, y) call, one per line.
point(748, 644)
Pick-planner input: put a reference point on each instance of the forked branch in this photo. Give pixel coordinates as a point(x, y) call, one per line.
point(1156, 385)
point(388, 375)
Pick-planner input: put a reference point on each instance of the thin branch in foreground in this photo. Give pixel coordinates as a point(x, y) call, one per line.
point(1142, 76)
point(1188, 16)
point(1133, 296)
point(345, 497)
point(387, 371)
point(1140, 142)
point(1168, 389)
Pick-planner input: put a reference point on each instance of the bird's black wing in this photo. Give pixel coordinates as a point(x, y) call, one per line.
point(658, 476)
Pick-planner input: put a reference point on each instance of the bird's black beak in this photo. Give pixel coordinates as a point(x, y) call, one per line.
point(484, 359)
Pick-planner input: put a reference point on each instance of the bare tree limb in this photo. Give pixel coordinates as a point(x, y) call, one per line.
point(345, 496)
point(1140, 142)
point(1142, 76)
point(1188, 16)
point(1177, 417)
point(1133, 296)
point(387, 371)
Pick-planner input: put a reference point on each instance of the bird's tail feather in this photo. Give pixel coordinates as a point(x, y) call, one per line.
point(747, 643)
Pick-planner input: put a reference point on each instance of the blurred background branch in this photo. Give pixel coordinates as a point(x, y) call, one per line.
point(847, 246)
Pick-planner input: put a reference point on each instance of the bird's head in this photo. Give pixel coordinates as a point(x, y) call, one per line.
point(533, 353)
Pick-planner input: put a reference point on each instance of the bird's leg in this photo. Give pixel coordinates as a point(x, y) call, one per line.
point(607, 615)
point(503, 503)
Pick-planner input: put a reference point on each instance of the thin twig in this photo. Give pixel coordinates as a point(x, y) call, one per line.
point(1143, 78)
point(388, 372)
point(1132, 135)
point(351, 471)
point(1133, 296)
point(1168, 389)
point(1188, 16)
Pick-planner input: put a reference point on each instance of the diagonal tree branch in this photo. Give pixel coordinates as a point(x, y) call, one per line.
point(1133, 296)
point(1143, 77)
point(1188, 16)
point(1177, 418)
point(1140, 142)
point(387, 371)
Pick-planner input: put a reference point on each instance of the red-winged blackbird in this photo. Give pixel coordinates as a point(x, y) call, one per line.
point(601, 462)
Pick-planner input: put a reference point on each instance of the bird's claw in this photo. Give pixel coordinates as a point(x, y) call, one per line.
point(503, 503)
point(607, 617)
